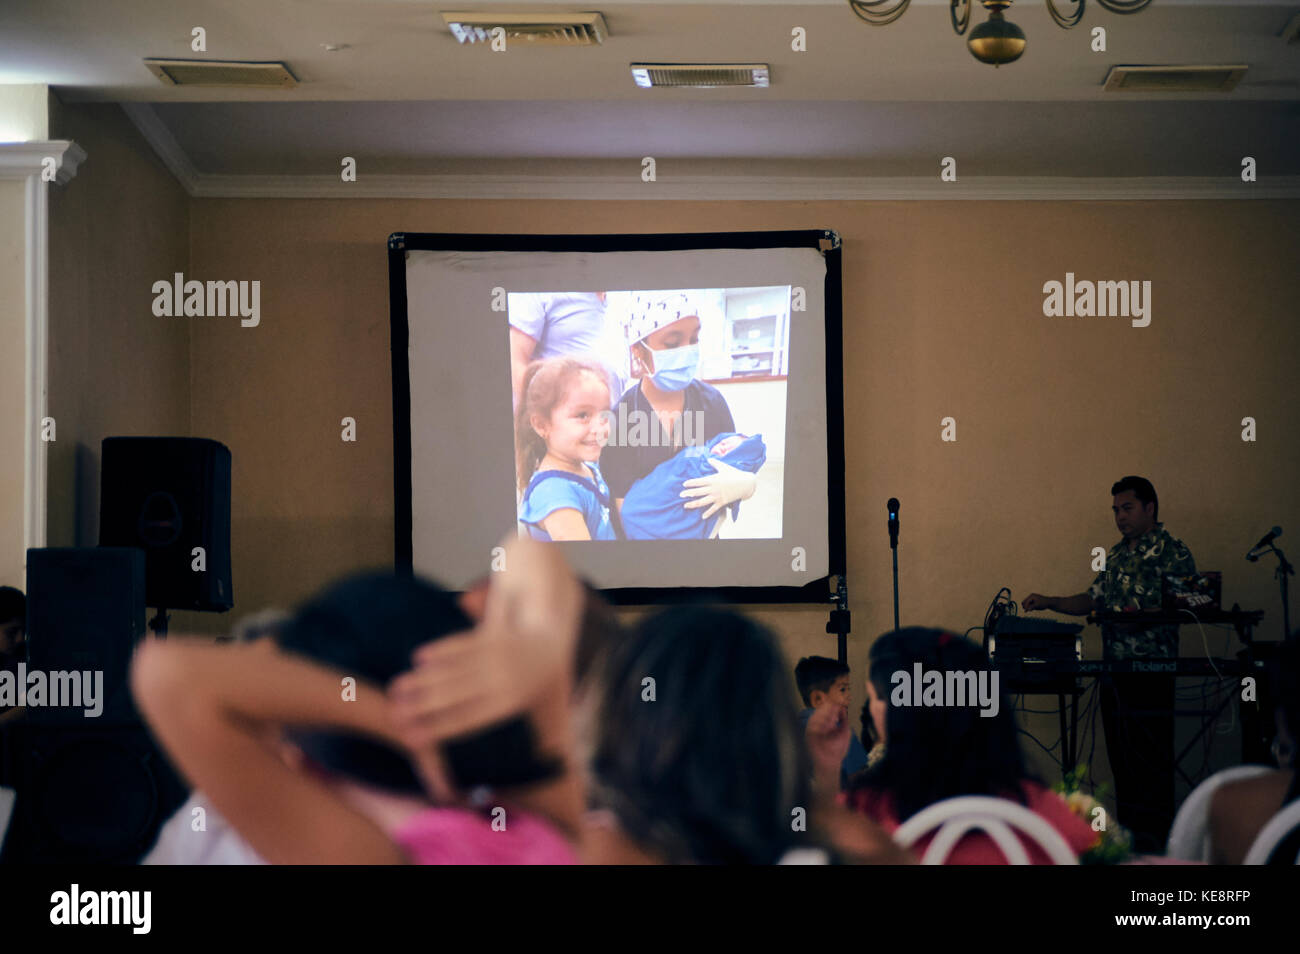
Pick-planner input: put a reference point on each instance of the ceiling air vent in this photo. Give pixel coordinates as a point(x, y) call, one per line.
point(221, 73)
point(531, 29)
point(700, 75)
point(1174, 79)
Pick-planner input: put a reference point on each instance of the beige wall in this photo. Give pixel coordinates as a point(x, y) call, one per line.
point(943, 317)
point(118, 226)
point(24, 112)
point(13, 378)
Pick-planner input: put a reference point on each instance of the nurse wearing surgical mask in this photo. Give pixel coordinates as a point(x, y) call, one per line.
point(663, 334)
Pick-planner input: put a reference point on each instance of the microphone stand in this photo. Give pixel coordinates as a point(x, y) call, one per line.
point(893, 546)
point(1284, 569)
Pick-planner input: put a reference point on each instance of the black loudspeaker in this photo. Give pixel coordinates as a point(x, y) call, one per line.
point(85, 613)
point(169, 495)
point(86, 794)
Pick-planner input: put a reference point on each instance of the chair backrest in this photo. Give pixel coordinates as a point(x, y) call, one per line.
point(805, 856)
point(996, 817)
point(1189, 838)
point(7, 798)
point(1280, 825)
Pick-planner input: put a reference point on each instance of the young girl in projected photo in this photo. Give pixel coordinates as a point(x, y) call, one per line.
point(560, 427)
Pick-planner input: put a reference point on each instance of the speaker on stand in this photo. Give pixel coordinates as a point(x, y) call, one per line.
point(96, 789)
point(170, 496)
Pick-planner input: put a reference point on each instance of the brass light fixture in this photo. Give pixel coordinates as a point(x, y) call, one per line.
point(997, 40)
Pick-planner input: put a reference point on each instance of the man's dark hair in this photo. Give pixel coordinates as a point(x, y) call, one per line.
point(13, 605)
point(1142, 488)
point(368, 626)
point(817, 673)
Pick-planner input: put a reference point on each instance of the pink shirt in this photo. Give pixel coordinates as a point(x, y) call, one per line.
point(457, 836)
point(978, 848)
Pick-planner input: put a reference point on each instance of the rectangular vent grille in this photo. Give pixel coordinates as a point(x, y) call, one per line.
point(529, 29)
point(700, 75)
point(1174, 79)
point(221, 73)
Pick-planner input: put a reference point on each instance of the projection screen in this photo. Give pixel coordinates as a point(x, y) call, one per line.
point(655, 404)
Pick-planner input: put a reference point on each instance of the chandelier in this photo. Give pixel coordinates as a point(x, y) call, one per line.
point(997, 40)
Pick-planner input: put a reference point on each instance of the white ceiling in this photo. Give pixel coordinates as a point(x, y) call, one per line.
point(877, 101)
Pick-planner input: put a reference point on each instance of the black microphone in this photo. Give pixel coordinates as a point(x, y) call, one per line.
point(1259, 549)
point(893, 522)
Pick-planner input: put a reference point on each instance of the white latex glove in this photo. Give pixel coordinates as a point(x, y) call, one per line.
point(718, 490)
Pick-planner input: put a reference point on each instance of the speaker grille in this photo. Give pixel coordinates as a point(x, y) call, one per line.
point(168, 496)
point(86, 794)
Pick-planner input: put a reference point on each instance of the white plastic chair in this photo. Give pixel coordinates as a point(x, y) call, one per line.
point(996, 817)
point(1282, 824)
point(805, 856)
point(1189, 838)
point(7, 798)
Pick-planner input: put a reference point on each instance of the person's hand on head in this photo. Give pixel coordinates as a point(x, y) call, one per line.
point(718, 490)
point(515, 660)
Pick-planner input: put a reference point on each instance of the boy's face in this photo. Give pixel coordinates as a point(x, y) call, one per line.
point(838, 694)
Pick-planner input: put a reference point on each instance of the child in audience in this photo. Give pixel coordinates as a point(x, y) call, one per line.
point(358, 797)
point(653, 508)
point(937, 752)
point(1240, 810)
point(825, 682)
point(560, 428)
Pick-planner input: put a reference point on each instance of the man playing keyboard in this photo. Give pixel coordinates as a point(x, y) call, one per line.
point(1137, 708)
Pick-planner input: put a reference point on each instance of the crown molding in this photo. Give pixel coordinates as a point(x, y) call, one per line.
point(18, 160)
point(741, 188)
point(158, 136)
point(729, 187)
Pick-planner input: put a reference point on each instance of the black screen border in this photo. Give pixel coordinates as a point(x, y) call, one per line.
point(820, 590)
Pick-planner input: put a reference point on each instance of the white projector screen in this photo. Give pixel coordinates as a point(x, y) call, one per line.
point(655, 404)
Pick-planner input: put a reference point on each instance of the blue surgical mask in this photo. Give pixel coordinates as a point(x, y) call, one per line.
point(675, 367)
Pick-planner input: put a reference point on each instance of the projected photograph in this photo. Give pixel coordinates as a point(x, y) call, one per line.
point(650, 414)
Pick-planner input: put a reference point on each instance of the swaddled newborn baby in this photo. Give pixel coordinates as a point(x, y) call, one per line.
point(653, 508)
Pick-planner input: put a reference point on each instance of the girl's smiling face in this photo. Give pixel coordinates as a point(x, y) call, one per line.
point(579, 425)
